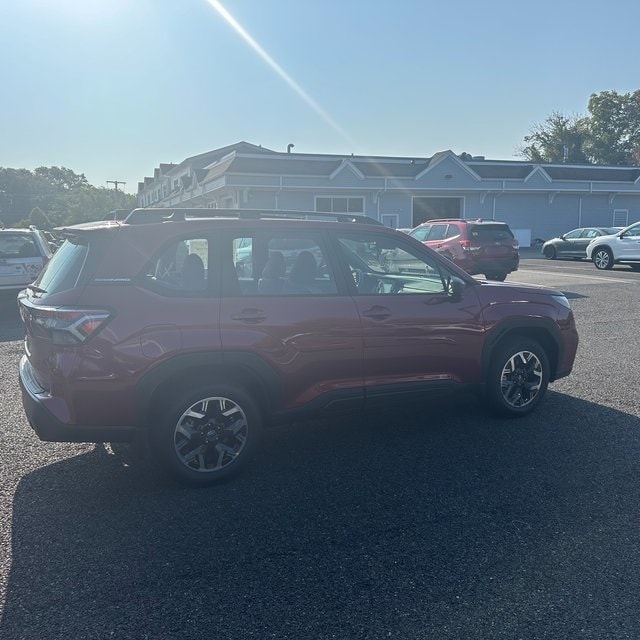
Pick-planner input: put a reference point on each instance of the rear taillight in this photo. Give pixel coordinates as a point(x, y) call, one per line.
point(67, 325)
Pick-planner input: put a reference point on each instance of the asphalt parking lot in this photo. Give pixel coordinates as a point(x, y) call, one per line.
point(435, 521)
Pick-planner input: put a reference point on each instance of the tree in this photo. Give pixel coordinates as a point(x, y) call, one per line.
point(559, 139)
point(609, 134)
point(59, 194)
point(614, 128)
point(61, 177)
point(40, 219)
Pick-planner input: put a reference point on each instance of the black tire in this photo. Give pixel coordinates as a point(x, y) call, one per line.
point(550, 253)
point(206, 433)
point(500, 277)
point(602, 257)
point(517, 377)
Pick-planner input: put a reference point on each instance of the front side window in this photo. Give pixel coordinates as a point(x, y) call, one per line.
point(383, 266)
point(421, 233)
point(181, 268)
point(633, 232)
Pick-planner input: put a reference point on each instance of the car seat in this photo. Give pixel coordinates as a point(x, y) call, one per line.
point(193, 278)
point(302, 276)
point(271, 280)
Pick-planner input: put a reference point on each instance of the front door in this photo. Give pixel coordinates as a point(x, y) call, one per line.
point(417, 335)
point(628, 245)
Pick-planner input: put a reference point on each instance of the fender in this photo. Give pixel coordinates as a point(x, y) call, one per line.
point(523, 326)
point(248, 367)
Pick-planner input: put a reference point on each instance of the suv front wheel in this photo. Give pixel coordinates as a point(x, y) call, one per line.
point(518, 377)
point(206, 433)
point(603, 258)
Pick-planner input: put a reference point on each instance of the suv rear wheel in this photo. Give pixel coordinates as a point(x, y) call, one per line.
point(206, 433)
point(500, 277)
point(518, 377)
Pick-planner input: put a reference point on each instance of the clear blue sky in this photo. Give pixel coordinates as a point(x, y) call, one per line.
point(111, 88)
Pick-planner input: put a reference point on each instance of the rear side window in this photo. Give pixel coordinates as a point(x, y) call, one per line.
point(182, 268)
point(490, 232)
point(64, 268)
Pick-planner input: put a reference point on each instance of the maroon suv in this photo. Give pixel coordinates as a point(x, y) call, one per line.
point(193, 330)
point(477, 246)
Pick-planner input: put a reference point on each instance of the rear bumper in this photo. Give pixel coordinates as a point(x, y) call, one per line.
point(473, 265)
point(50, 428)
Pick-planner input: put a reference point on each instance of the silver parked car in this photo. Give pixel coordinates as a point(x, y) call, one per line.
point(573, 244)
point(23, 254)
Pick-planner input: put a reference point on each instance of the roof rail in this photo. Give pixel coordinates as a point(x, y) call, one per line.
point(179, 214)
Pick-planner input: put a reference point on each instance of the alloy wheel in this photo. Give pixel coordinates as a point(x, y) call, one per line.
point(210, 434)
point(521, 379)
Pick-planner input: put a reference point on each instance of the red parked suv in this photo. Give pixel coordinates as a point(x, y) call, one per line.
point(477, 246)
point(192, 330)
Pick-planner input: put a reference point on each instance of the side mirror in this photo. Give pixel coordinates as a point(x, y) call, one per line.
point(455, 287)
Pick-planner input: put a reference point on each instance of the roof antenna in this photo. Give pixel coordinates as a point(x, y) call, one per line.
point(290, 146)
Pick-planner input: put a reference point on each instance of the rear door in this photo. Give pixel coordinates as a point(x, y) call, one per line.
point(285, 307)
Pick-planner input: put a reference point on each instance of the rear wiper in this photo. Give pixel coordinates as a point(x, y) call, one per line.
point(36, 289)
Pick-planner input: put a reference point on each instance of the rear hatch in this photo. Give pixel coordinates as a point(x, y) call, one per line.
point(492, 241)
point(47, 307)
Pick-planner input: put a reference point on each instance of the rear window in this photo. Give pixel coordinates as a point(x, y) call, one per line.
point(490, 232)
point(17, 245)
point(63, 270)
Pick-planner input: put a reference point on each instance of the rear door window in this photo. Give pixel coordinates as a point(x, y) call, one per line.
point(438, 232)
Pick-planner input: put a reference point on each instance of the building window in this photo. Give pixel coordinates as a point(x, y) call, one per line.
point(390, 220)
point(620, 217)
point(339, 204)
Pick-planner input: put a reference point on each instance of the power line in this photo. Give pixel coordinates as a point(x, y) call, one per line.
point(115, 183)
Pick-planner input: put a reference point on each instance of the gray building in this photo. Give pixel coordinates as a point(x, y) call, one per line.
point(536, 200)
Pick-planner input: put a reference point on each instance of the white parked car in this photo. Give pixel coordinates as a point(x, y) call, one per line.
point(622, 247)
point(23, 254)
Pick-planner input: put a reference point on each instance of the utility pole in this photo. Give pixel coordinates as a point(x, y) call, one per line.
point(115, 183)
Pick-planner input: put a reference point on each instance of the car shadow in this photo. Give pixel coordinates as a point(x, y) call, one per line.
point(441, 522)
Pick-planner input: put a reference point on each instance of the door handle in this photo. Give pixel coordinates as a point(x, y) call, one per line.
point(250, 316)
point(377, 313)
